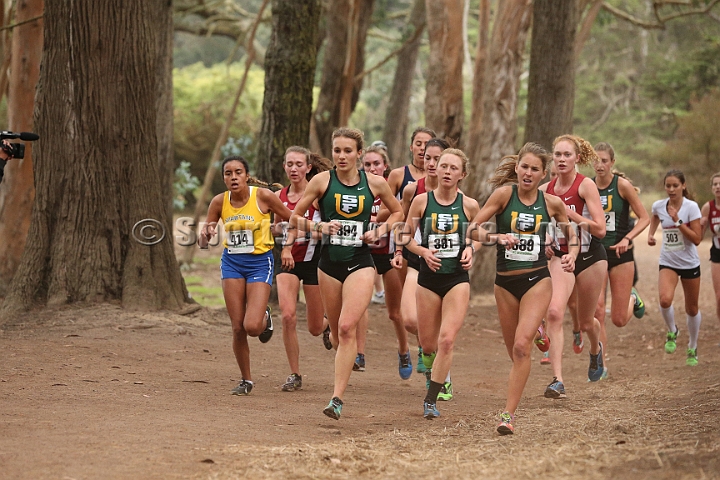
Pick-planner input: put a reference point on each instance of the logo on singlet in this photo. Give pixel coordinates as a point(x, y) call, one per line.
point(444, 222)
point(525, 222)
point(606, 201)
point(349, 206)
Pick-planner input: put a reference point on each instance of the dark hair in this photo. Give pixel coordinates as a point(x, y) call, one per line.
point(505, 172)
point(680, 176)
point(429, 131)
point(235, 158)
point(438, 142)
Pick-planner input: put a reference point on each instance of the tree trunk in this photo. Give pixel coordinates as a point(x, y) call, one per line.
point(17, 191)
point(290, 63)
point(97, 163)
point(327, 115)
point(164, 106)
point(499, 114)
point(551, 84)
point(396, 116)
point(444, 93)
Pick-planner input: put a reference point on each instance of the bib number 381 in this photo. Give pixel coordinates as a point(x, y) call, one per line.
point(349, 235)
point(447, 246)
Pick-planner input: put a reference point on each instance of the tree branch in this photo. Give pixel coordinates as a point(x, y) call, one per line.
point(13, 25)
point(411, 39)
point(661, 20)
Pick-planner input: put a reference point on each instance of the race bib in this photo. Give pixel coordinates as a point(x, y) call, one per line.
point(526, 250)
point(240, 241)
point(447, 245)
point(610, 221)
point(349, 235)
point(673, 240)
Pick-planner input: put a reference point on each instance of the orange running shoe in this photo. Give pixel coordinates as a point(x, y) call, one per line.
point(578, 343)
point(542, 341)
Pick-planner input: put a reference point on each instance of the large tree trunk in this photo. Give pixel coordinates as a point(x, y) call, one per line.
point(17, 191)
point(499, 118)
point(327, 115)
point(444, 93)
point(96, 162)
point(551, 84)
point(396, 116)
point(290, 64)
point(164, 106)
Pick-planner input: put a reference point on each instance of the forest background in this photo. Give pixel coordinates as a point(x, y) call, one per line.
point(643, 75)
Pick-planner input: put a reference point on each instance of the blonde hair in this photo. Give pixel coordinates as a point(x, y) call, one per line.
point(352, 133)
point(505, 171)
point(606, 147)
point(584, 150)
point(459, 153)
point(382, 151)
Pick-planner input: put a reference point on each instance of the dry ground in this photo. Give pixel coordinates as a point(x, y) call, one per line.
point(106, 393)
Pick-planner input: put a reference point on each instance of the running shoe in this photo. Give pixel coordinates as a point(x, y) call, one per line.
point(545, 360)
point(446, 392)
point(639, 307)
point(596, 368)
point(293, 382)
point(267, 334)
point(578, 343)
point(542, 341)
point(359, 365)
point(404, 365)
point(243, 388)
point(430, 411)
point(556, 389)
point(420, 365)
point(671, 342)
point(379, 298)
point(334, 408)
point(605, 373)
point(326, 338)
point(506, 424)
point(692, 357)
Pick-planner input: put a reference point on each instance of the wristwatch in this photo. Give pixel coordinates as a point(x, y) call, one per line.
point(679, 222)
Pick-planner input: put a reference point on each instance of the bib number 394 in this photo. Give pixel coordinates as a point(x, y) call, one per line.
point(673, 239)
point(240, 241)
point(447, 246)
point(349, 235)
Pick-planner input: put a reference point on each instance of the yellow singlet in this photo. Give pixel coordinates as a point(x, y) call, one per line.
point(247, 229)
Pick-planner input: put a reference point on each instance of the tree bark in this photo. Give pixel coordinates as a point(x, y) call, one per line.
point(444, 92)
point(290, 64)
point(164, 106)
point(17, 191)
point(327, 115)
point(97, 163)
point(396, 116)
point(498, 134)
point(551, 84)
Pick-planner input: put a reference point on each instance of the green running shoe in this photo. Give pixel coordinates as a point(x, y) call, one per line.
point(639, 307)
point(420, 365)
point(670, 343)
point(446, 392)
point(334, 408)
point(692, 357)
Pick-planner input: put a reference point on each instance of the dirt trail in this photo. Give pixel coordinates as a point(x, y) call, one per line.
point(105, 393)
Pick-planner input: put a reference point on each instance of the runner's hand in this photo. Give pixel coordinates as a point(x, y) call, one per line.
point(568, 263)
point(207, 232)
point(288, 262)
point(397, 261)
point(467, 258)
point(432, 261)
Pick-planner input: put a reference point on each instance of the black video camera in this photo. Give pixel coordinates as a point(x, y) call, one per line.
point(16, 150)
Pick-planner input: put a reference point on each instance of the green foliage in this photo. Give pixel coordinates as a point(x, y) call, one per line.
point(203, 97)
point(695, 148)
point(184, 183)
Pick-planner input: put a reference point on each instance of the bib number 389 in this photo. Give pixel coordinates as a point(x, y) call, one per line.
point(526, 250)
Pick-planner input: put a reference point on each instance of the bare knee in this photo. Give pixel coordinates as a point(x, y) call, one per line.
point(445, 344)
point(555, 315)
point(396, 318)
point(692, 310)
point(239, 333)
point(289, 321)
point(619, 319)
point(315, 331)
point(520, 350)
point(346, 331)
point(665, 301)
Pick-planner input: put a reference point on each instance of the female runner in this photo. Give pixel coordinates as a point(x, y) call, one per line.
point(618, 196)
point(443, 290)
point(578, 193)
point(375, 161)
point(246, 265)
point(679, 217)
point(522, 285)
point(346, 270)
point(300, 256)
point(711, 220)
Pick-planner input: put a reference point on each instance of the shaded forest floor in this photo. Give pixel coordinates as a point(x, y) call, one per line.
point(105, 393)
